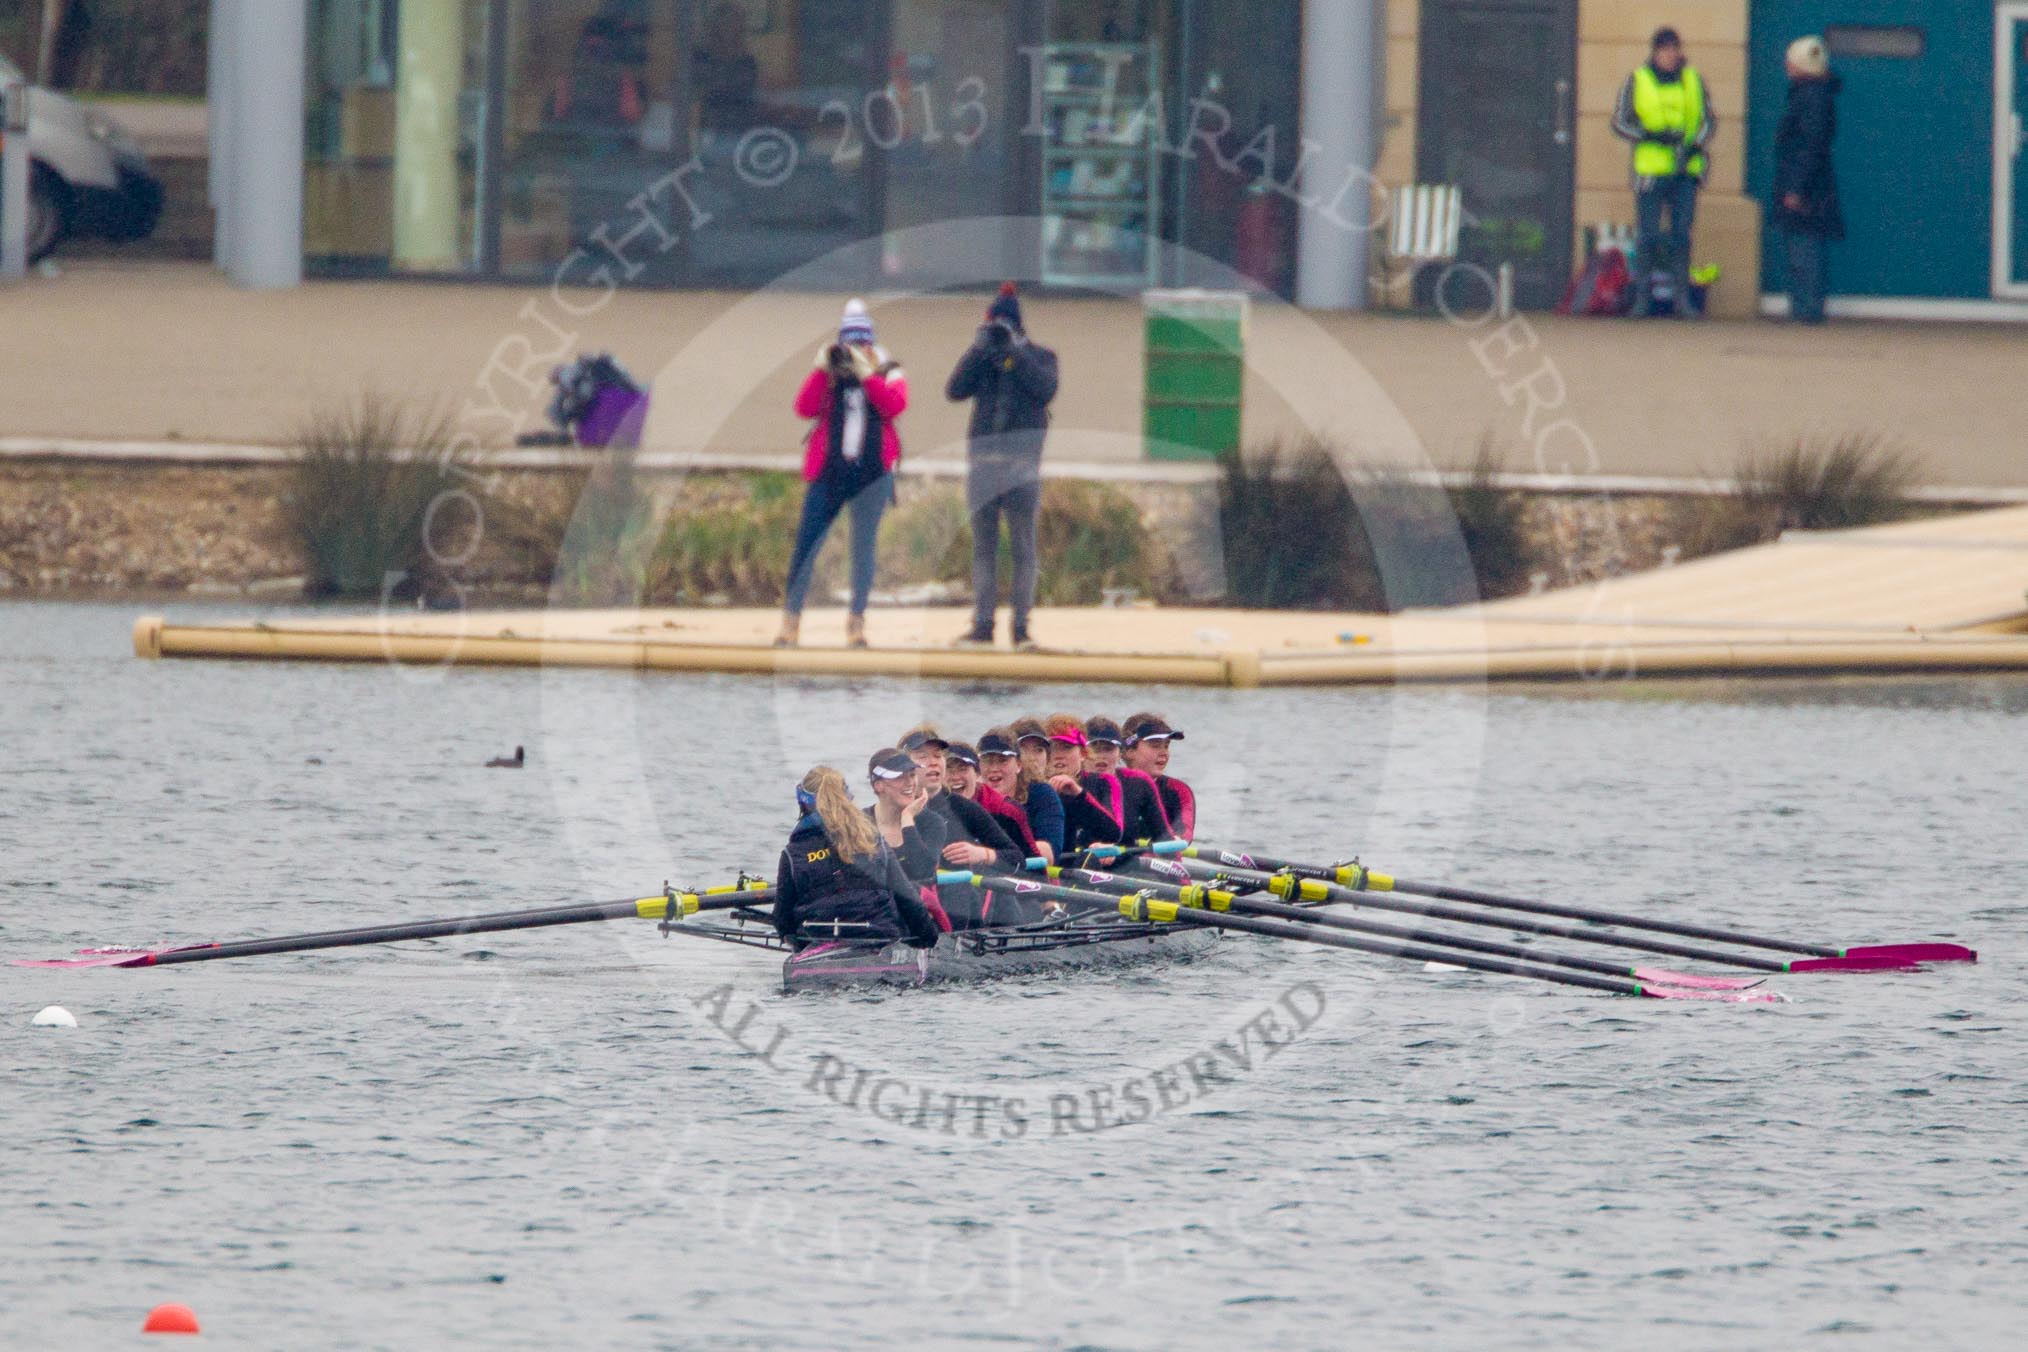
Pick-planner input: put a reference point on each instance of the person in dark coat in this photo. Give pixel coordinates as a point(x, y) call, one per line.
point(1805, 208)
point(1010, 381)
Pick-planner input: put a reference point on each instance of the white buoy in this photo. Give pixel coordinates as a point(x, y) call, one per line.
point(1443, 967)
point(54, 1016)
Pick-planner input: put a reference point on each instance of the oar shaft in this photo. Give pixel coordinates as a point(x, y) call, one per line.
point(1140, 907)
point(1312, 889)
point(1353, 876)
point(1201, 896)
point(649, 908)
point(1598, 917)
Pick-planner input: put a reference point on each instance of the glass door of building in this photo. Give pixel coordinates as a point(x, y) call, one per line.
point(1496, 119)
point(947, 119)
point(1223, 208)
point(791, 137)
point(592, 133)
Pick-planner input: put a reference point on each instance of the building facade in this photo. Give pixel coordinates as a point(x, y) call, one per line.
point(1513, 100)
point(1930, 109)
point(1933, 95)
point(759, 139)
point(1124, 143)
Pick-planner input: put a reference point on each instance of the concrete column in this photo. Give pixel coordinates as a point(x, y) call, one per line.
point(1343, 42)
point(219, 87)
point(426, 92)
point(264, 174)
point(14, 180)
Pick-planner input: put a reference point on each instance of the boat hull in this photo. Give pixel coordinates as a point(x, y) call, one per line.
point(983, 955)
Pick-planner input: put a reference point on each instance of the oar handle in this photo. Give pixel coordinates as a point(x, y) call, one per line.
point(1112, 854)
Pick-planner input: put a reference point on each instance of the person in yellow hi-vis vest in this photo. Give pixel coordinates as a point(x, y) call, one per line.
point(1665, 111)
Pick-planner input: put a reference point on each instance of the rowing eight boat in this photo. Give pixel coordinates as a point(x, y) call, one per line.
point(972, 955)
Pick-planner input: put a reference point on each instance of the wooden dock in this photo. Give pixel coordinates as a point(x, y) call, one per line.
point(1945, 594)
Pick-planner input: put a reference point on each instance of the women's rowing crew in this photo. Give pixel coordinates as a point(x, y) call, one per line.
point(1033, 788)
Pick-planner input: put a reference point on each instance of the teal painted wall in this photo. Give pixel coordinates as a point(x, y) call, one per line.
point(1914, 150)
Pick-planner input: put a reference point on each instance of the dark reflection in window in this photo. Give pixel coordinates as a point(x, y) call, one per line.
point(725, 73)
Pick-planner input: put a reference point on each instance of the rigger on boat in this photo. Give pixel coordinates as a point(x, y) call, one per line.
point(1010, 856)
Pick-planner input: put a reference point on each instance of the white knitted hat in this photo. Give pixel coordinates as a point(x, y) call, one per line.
point(1807, 56)
point(857, 325)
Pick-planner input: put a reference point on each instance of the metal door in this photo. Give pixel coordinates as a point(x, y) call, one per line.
point(2010, 175)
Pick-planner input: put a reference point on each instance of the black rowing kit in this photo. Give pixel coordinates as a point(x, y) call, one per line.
point(821, 896)
point(1092, 817)
point(1142, 814)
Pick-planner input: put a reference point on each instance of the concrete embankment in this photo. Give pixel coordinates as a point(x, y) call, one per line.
point(211, 520)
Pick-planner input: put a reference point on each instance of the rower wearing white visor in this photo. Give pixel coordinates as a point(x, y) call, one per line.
point(1148, 738)
point(962, 834)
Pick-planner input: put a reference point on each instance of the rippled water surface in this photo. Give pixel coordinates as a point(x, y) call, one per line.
point(568, 1137)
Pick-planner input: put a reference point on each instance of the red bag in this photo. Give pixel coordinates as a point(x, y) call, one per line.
point(1604, 287)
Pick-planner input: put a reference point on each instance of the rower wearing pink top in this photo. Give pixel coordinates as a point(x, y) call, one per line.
point(1091, 801)
point(1141, 814)
point(1148, 739)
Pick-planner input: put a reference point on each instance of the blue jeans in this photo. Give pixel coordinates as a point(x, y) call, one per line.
point(821, 505)
point(1676, 198)
point(1809, 260)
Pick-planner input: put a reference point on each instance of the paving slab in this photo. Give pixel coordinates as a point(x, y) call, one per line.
point(153, 352)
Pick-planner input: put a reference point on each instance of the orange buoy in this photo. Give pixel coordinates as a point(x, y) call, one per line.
point(170, 1319)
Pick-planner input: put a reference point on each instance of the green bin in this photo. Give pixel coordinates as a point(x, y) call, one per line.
point(1196, 373)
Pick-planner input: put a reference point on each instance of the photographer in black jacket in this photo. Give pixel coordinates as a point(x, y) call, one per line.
point(1010, 381)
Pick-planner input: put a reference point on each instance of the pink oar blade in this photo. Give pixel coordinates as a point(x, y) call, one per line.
point(1720, 997)
point(107, 957)
point(1907, 953)
point(103, 960)
point(1850, 965)
point(1692, 981)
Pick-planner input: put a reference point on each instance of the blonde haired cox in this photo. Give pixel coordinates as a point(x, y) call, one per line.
point(852, 833)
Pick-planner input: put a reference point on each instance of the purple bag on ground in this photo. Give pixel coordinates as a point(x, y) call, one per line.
point(599, 404)
point(614, 420)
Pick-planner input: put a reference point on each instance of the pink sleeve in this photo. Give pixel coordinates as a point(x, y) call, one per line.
point(1115, 805)
point(888, 394)
point(810, 399)
point(1185, 824)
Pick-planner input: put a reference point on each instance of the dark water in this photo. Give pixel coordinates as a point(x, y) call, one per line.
point(553, 1140)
